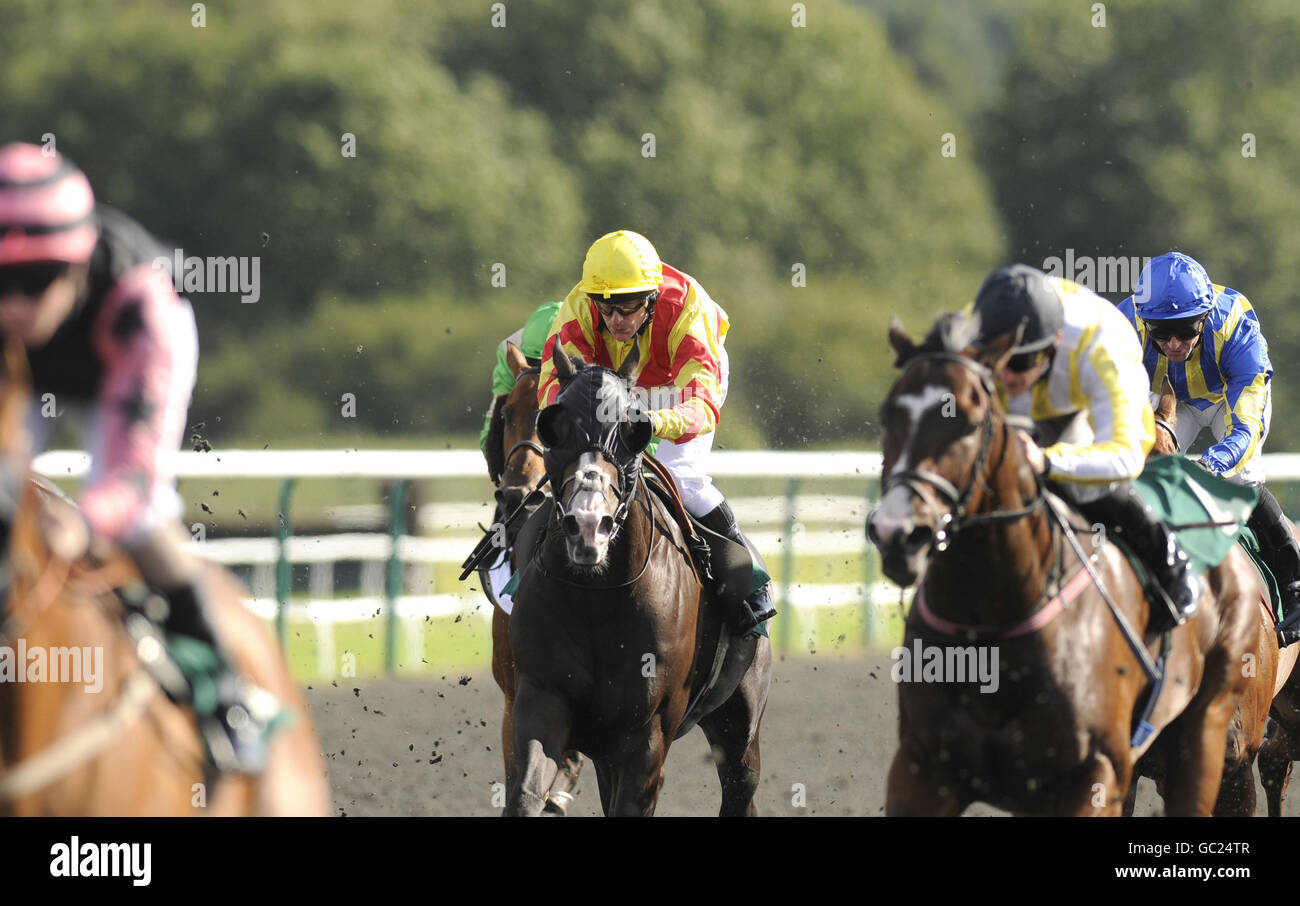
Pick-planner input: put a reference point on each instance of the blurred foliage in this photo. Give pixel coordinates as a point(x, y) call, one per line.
point(1127, 140)
point(776, 149)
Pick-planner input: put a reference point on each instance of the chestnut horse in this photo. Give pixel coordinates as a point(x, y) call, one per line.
point(515, 459)
point(612, 631)
point(963, 513)
point(1262, 665)
point(113, 744)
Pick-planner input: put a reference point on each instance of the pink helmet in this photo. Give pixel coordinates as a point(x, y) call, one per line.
point(47, 209)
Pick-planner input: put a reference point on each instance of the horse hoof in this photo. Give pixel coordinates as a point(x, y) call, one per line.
point(557, 805)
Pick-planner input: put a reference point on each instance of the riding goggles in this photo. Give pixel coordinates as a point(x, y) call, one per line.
point(625, 310)
point(1164, 331)
point(30, 279)
point(1024, 361)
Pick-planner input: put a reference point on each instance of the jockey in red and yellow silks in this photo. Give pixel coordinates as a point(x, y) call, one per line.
point(628, 297)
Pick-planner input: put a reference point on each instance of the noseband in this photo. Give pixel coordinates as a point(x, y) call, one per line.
point(959, 500)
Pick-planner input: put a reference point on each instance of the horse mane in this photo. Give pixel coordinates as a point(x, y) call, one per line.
point(494, 447)
point(952, 332)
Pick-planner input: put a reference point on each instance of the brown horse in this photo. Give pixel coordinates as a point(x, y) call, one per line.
point(1053, 732)
point(1262, 665)
point(515, 460)
point(612, 631)
point(111, 744)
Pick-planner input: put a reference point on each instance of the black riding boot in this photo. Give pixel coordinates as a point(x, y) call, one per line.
point(233, 715)
point(1278, 543)
point(758, 606)
point(1125, 513)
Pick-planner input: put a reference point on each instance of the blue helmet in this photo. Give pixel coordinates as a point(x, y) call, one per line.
point(1173, 286)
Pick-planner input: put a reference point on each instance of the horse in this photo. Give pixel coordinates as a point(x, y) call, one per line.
point(114, 744)
point(1266, 667)
point(612, 628)
point(1052, 731)
point(515, 463)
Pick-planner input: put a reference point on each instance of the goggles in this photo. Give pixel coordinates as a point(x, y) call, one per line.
point(30, 279)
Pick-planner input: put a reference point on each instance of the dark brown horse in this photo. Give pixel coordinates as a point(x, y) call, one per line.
point(612, 631)
point(113, 744)
point(962, 513)
point(1236, 575)
point(515, 460)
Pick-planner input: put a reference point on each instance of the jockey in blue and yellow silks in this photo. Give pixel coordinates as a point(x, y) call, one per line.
point(1076, 359)
point(1206, 338)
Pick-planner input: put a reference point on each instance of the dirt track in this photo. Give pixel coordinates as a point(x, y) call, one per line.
point(831, 725)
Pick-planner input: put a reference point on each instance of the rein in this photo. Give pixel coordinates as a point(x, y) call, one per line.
point(1173, 434)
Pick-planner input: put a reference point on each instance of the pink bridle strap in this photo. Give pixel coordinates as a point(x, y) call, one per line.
point(1041, 617)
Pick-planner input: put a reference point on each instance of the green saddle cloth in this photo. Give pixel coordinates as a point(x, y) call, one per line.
point(1184, 495)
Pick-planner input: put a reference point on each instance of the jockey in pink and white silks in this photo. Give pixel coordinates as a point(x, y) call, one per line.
point(109, 338)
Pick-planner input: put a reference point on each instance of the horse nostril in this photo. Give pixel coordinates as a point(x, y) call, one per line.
point(570, 526)
point(918, 537)
point(606, 525)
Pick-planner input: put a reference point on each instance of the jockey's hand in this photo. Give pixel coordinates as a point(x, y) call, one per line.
point(1032, 452)
point(1205, 464)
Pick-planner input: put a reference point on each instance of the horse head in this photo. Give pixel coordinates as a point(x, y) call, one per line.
point(595, 435)
point(939, 419)
point(521, 467)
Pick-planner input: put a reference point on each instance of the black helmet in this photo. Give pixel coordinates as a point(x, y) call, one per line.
point(1017, 295)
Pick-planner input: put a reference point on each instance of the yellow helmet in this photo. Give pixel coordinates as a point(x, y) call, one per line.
point(621, 262)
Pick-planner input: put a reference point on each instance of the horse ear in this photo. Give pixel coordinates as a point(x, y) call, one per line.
point(515, 359)
point(635, 435)
point(553, 425)
point(564, 369)
point(901, 343)
point(995, 354)
point(628, 368)
point(1168, 401)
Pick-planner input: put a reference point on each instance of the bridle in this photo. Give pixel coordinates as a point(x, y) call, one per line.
point(959, 500)
point(1169, 429)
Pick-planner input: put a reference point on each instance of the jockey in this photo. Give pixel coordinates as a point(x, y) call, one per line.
point(628, 298)
point(1076, 355)
point(530, 338)
point(108, 337)
point(1225, 386)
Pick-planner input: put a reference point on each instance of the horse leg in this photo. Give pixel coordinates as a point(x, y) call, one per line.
point(911, 791)
point(1275, 769)
point(541, 723)
point(732, 731)
point(639, 775)
point(1196, 756)
point(503, 671)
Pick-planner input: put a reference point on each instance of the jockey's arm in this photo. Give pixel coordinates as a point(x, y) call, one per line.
point(148, 344)
point(1122, 424)
point(696, 391)
point(1246, 370)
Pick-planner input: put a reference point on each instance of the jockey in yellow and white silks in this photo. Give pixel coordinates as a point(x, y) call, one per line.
point(1077, 355)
